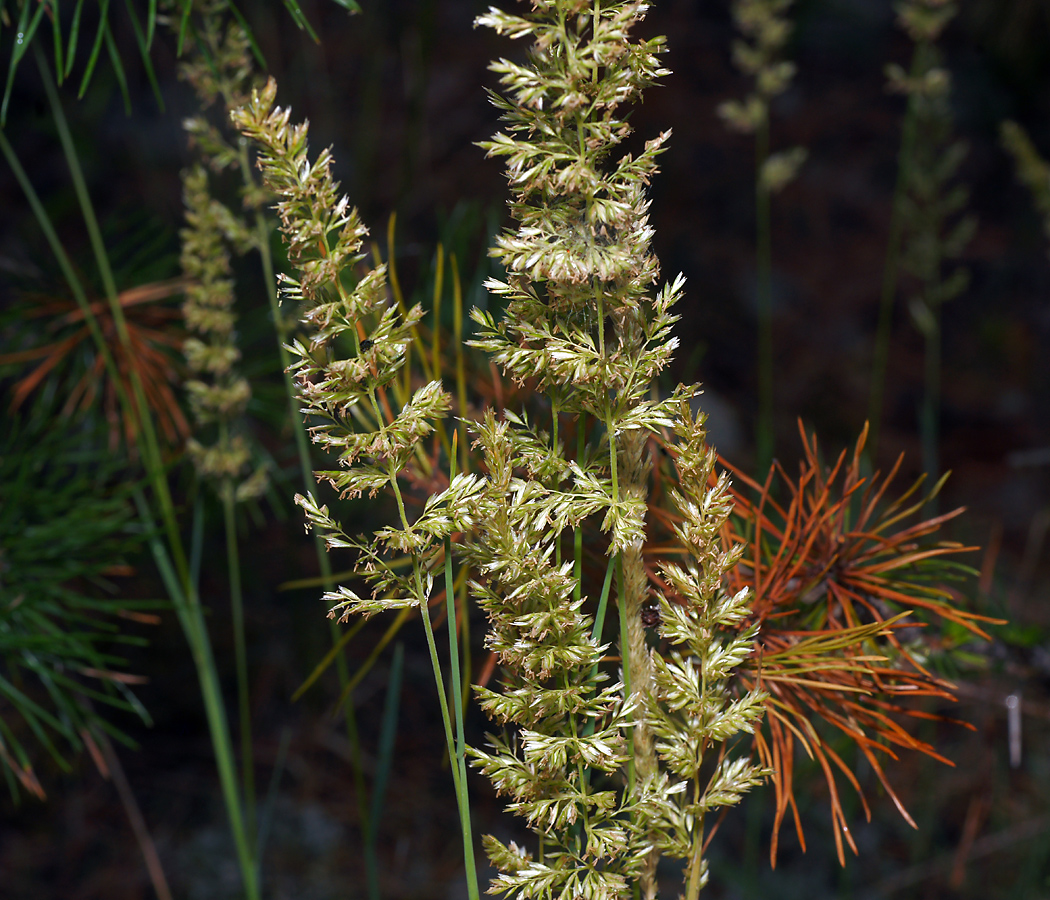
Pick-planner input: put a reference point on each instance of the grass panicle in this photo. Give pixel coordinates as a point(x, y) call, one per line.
point(766, 31)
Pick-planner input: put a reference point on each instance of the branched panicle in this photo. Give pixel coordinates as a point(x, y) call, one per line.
point(936, 229)
point(693, 711)
point(581, 252)
point(354, 415)
point(1032, 170)
point(218, 393)
point(570, 732)
point(766, 30)
point(323, 232)
point(585, 319)
point(936, 232)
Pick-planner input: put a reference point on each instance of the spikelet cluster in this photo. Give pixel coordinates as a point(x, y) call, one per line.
point(935, 231)
point(351, 402)
point(587, 321)
point(766, 30)
point(219, 68)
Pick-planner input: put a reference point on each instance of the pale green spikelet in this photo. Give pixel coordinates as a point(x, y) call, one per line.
point(220, 69)
point(585, 319)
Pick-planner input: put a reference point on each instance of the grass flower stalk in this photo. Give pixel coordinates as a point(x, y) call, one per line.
point(218, 398)
point(585, 323)
point(935, 229)
point(169, 552)
point(340, 300)
point(766, 30)
point(221, 70)
point(927, 231)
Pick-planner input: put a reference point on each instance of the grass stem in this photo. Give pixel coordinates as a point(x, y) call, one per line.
point(891, 267)
point(764, 431)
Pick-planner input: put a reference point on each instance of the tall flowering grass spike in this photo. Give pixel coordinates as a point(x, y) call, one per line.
point(358, 408)
point(348, 399)
point(219, 68)
point(936, 229)
point(585, 319)
point(609, 773)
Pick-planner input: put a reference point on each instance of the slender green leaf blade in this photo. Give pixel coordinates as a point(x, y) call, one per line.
point(96, 48)
point(118, 69)
point(187, 6)
point(143, 41)
point(23, 38)
point(74, 36)
point(300, 20)
point(56, 34)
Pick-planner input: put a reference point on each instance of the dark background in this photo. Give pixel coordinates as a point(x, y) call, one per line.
point(398, 93)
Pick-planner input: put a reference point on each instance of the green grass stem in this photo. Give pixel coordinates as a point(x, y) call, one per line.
point(244, 708)
point(625, 668)
point(384, 761)
point(451, 737)
point(891, 267)
point(764, 431)
point(931, 401)
point(181, 586)
point(339, 639)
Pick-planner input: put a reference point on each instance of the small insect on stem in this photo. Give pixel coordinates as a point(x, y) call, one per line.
point(650, 614)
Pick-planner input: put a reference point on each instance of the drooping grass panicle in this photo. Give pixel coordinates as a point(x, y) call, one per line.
point(345, 307)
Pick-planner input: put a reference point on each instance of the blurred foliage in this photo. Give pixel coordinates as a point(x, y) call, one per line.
point(75, 34)
point(66, 532)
